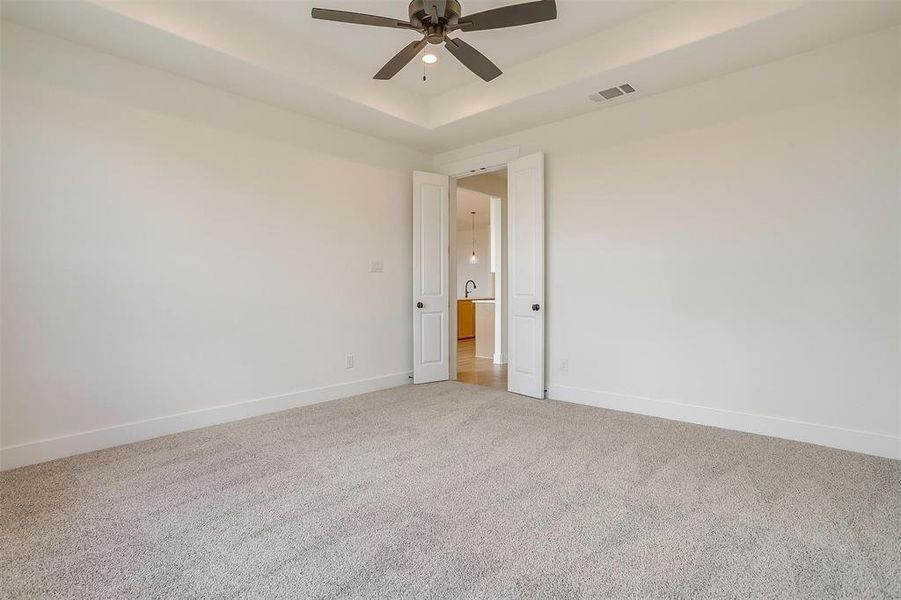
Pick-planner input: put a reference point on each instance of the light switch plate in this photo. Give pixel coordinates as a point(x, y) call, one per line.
point(376, 266)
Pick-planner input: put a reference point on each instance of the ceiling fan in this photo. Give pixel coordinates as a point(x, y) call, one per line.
point(435, 19)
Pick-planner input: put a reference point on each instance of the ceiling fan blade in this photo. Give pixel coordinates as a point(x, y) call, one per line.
point(510, 16)
point(472, 59)
point(343, 16)
point(400, 60)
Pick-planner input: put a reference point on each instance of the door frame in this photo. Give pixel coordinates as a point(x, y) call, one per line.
point(466, 167)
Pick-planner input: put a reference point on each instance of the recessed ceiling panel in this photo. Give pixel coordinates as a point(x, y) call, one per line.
point(370, 47)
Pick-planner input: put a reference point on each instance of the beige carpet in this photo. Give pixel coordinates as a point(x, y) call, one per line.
point(454, 491)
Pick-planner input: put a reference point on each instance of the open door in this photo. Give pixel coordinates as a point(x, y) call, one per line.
point(431, 297)
point(525, 266)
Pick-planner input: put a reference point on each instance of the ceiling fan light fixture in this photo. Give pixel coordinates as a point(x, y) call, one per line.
point(429, 59)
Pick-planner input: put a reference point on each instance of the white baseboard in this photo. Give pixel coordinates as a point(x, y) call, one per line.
point(499, 359)
point(824, 435)
point(98, 439)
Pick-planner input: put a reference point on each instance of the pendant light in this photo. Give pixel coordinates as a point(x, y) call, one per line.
point(474, 259)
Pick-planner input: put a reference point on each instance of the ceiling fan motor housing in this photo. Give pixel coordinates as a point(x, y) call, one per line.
point(421, 18)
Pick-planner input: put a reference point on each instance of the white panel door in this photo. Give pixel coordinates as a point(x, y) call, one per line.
point(525, 268)
point(431, 298)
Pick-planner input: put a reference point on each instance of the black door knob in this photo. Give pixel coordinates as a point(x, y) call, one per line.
point(419, 305)
point(536, 307)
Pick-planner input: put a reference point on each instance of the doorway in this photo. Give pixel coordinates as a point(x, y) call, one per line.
point(480, 267)
point(520, 284)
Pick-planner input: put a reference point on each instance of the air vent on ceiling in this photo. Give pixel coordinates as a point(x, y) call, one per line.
point(611, 93)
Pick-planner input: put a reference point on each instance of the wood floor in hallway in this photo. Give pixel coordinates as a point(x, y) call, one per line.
point(480, 371)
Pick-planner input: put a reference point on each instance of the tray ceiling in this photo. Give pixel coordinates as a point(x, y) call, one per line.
point(274, 52)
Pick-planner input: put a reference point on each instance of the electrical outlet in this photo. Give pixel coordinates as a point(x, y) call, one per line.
point(376, 266)
point(564, 365)
point(349, 361)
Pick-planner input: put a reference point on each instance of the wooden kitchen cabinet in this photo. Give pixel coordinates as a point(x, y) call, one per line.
point(466, 320)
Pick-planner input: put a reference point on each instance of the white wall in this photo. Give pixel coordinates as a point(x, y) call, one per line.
point(729, 253)
point(480, 273)
point(169, 248)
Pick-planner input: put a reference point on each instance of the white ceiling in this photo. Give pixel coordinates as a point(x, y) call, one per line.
point(468, 201)
point(274, 52)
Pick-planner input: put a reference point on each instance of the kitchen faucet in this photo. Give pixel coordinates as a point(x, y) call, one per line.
point(474, 286)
